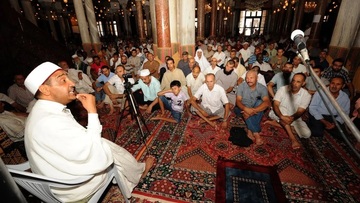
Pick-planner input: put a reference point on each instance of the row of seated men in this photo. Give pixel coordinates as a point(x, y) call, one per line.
point(191, 75)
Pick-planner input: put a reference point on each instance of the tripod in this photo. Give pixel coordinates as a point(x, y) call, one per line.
point(134, 111)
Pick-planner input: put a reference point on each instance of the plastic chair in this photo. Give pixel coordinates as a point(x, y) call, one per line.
point(40, 186)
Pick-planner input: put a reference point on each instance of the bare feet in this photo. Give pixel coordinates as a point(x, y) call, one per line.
point(273, 123)
point(250, 135)
point(149, 162)
point(295, 145)
point(143, 107)
point(258, 139)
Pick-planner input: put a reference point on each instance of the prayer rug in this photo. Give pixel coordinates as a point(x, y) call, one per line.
point(241, 182)
point(322, 170)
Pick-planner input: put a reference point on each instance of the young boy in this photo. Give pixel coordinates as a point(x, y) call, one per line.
point(175, 104)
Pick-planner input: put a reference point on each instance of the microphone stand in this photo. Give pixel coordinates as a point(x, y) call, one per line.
point(345, 117)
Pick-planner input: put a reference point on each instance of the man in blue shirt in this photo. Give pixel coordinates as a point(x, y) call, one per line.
point(147, 97)
point(99, 83)
point(320, 118)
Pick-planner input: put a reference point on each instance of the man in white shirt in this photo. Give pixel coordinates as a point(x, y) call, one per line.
point(298, 67)
point(18, 91)
point(220, 56)
point(213, 68)
point(194, 80)
point(245, 53)
point(114, 61)
point(290, 103)
point(59, 147)
point(213, 99)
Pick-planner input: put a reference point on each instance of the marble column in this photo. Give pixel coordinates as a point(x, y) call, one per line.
point(148, 21)
point(317, 22)
point(345, 29)
point(118, 26)
point(200, 19)
point(299, 14)
point(173, 25)
point(186, 26)
point(213, 18)
point(163, 29)
point(15, 5)
point(28, 11)
point(140, 20)
point(83, 26)
point(61, 21)
point(91, 19)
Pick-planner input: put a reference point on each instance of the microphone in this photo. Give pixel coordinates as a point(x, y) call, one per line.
point(298, 37)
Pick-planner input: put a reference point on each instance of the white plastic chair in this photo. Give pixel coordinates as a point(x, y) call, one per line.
point(40, 186)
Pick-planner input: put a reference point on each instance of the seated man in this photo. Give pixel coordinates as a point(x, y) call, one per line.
point(18, 91)
point(12, 123)
point(320, 119)
point(213, 99)
point(227, 79)
point(290, 103)
point(252, 99)
point(83, 84)
point(59, 147)
point(99, 83)
point(152, 65)
point(173, 73)
point(175, 104)
point(149, 87)
point(194, 81)
point(311, 85)
point(15, 105)
point(280, 79)
point(114, 89)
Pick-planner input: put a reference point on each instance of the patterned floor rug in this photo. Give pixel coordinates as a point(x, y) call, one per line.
point(322, 170)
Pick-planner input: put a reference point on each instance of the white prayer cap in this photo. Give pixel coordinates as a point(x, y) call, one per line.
point(144, 72)
point(89, 60)
point(74, 56)
point(38, 76)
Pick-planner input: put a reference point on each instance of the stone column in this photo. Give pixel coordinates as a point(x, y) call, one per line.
point(51, 21)
point(148, 20)
point(200, 19)
point(15, 5)
point(345, 29)
point(280, 23)
point(299, 13)
point(118, 26)
point(235, 22)
point(153, 24)
point(91, 19)
point(173, 25)
point(83, 26)
point(28, 11)
point(163, 29)
point(126, 20)
point(61, 21)
point(220, 21)
point(288, 20)
point(186, 26)
point(213, 18)
point(140, 20)
point(317, 22)
point(354, 59)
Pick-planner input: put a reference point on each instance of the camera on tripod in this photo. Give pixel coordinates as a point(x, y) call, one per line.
point(126, 77)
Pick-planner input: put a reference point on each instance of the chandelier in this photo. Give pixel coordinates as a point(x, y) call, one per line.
point(254, 5)
point(310, 6)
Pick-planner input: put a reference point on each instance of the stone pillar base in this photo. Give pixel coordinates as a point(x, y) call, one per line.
point(87, 47)
point(161, 52)
point(189, 48)
point(97, 47)
point(175, 48)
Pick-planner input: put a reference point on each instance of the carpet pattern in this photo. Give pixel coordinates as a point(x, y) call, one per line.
point(187, 153)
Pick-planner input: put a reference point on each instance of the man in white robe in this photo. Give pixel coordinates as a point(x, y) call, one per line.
point(59, 147)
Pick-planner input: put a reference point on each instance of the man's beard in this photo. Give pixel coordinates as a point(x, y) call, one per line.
point(286, 76)
point(228, 72)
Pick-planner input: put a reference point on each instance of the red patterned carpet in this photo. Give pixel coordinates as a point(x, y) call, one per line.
point(322, 170)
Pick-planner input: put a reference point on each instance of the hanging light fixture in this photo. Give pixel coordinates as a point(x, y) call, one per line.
point(310, 6)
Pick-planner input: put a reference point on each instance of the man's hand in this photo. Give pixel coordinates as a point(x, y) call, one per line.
point(287, 120)
point(224, 124)
point(88, 102)
point(98, 89)
point(249, 111)
point(328, 125)
point(113, 96)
